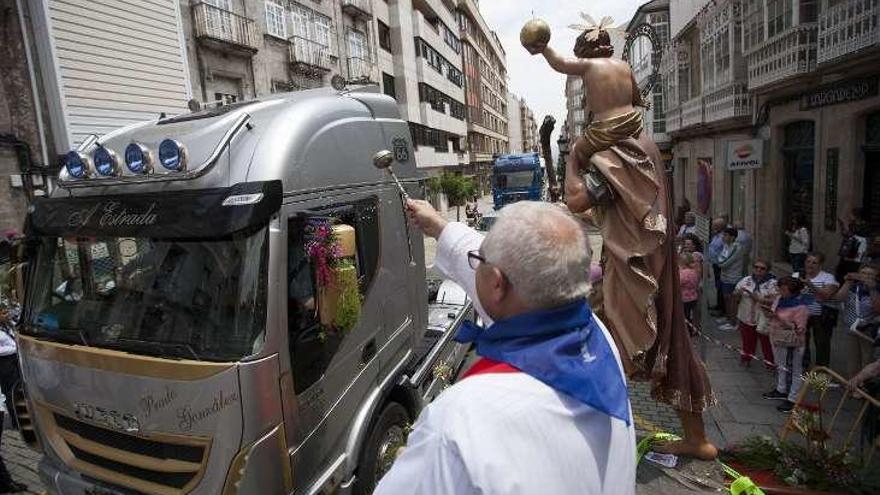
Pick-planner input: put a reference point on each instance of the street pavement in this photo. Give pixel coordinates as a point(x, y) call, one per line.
point(21, 461)
point(740, 412)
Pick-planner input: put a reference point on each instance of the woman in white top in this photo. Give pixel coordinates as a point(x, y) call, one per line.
point(798, 243)
point(823, 311)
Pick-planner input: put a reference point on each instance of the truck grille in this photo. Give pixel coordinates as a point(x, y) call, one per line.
point(161, 465)
point(23, 417)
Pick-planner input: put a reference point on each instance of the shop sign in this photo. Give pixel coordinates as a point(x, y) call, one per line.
point(745, 154)
point(840, 92)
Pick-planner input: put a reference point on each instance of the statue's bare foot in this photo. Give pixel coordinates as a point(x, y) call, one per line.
point(687, 448)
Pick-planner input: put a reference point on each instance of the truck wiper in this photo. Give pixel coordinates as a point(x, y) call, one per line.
point(65, 335)
point(157, 348)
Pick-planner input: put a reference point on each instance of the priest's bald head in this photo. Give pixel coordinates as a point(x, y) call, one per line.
point(536, 256)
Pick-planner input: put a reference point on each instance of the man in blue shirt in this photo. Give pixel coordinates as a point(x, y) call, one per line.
point(713, 252)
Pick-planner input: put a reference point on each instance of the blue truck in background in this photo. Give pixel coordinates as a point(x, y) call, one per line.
point(517, 177)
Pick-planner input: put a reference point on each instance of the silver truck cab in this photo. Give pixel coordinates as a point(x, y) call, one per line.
point(231, 301)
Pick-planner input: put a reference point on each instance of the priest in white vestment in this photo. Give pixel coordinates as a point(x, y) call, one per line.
point(545, 410)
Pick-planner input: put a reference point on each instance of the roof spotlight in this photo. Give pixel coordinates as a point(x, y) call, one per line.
point(172, 155)
point(106, 163)
point(78, 164)
point(138, 159)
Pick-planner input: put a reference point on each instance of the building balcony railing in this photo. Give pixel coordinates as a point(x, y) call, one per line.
point(692, 112)
point(224, 29)
point(306, 54)
point(359, 69)
point(847, 28)
point(673, 119)
point(359, 9)
point(729, 101)
point(788, 54)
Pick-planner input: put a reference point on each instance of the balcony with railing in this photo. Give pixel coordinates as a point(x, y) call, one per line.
point(692, 112)
point(309, 56)
point(360, 69)
point(847, 28)
point(224, 30)
point(729, 101)
point(673, 119)
point(358, 9)
point(788, 54)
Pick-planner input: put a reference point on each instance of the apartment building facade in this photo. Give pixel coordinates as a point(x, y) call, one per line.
point(522, 127)
point(420, 65)
point(774, 113)
point(641, 58)
point(485, 67)
point(241, 49)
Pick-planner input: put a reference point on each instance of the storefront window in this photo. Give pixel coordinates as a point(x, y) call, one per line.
point(871, 194)
point(798, 156)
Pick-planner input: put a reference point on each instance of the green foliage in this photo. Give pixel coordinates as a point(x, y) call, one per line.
point(433, 185)
point(457, 188)
point(349, 309)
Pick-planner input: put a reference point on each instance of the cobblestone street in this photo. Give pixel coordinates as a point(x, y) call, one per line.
point(21, 461)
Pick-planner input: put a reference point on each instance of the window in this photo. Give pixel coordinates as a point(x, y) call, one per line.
point(778, 16)
point(275, 24)
point(310, 25)
point(388, 85)
point(428, 136)
point(357, 45)
point(301, 21)
point(225, 98)
point(323, 31)
point(753, 25)
point(384, 36)
point(319, 314)
point(809, 11)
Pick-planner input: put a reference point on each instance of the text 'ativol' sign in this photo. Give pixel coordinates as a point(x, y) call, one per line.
point(746, 154)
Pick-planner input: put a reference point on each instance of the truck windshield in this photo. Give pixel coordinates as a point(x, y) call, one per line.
point(192, 299)
point(515, 179)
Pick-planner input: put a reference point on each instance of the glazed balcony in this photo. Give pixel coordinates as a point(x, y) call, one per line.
point(358, 9)
point(224, 30)
point(673, 119)
point(692, 112)
point(307, 55)
point(360, 69)
point(848, 28)
point(729, 101)
point(788, 54)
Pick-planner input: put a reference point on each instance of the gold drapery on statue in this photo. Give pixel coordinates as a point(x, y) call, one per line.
point(642, 298)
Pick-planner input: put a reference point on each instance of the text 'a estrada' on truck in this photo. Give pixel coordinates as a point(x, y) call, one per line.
point(231, 301)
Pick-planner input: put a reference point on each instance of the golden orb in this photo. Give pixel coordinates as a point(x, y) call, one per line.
point(535, 32)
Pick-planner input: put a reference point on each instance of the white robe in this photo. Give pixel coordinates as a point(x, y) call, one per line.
point(508, 433)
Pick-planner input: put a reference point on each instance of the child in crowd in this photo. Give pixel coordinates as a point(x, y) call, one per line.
point(787, 324)
point(753, 291)
point(689, 278)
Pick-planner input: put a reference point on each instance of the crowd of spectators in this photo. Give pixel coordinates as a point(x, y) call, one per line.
point(789, 316)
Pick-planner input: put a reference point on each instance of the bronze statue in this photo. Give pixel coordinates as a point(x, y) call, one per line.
point(547, 153)
point(616, 168)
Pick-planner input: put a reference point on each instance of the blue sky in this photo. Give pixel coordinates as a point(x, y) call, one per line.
point(530, 77)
